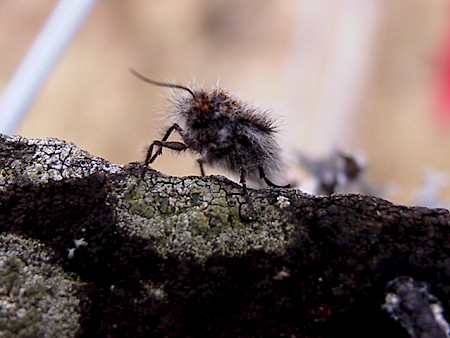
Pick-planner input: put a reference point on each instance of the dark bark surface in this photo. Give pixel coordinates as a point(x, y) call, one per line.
point(180, 256)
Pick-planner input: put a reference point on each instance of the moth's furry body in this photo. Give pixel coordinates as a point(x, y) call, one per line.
point(226, 133)
point(222, 131)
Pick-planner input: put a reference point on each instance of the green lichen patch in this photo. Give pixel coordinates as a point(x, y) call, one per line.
point(36, 297)
point(184, 217)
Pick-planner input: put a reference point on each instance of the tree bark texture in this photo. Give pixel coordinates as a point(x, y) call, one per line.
point(87, 250)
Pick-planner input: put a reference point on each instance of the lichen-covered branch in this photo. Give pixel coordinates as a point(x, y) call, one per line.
point(180, 256)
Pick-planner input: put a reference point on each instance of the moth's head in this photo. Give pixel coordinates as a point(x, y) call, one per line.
point(199, 107)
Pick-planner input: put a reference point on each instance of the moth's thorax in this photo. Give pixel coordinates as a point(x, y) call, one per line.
point(208, 120)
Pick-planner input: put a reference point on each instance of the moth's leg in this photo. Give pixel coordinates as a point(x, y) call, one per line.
point(243, 182)
point(263, 176)
point(246, 211)
point(201, 166)
point(150, 156)
point(178, 146)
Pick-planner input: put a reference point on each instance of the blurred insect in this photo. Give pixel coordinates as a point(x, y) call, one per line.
point(222, 131)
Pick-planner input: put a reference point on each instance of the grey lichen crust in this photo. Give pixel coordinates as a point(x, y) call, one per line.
point(42, 160)
point(36, 297)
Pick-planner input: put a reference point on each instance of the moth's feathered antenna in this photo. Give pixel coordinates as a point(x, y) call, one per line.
point(162, 84)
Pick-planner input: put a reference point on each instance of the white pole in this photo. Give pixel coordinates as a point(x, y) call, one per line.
point(53, 38)
point(327, 72)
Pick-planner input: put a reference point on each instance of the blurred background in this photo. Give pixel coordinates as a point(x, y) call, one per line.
point(369, 78)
